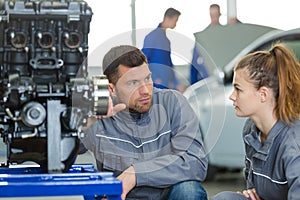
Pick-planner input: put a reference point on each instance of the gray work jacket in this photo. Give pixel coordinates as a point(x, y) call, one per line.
point(274, 168)
point(164, 145)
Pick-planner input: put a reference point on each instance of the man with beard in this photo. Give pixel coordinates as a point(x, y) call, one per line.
point(151, 138)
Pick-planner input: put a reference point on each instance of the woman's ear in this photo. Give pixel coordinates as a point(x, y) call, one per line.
point(264, 93)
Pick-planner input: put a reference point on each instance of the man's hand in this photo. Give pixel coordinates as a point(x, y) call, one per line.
point(112, 110)
point(128, 179)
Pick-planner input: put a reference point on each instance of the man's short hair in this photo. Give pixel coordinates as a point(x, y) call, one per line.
point(126, 55)
point(214, 6)
point(171, 12)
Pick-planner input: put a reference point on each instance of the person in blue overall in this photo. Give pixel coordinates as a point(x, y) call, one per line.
point(267, 91)
point(150, 139)
point(198, 69)
point(157, 48)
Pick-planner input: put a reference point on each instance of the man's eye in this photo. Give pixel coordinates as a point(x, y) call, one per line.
point(132, 82)
point(147, 79)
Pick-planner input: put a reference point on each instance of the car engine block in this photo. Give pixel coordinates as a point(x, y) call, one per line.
point(46, 94)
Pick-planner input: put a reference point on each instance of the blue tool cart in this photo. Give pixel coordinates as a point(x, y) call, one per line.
point(82, 180)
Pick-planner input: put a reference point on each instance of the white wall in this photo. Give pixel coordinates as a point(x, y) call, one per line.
point(111, 22)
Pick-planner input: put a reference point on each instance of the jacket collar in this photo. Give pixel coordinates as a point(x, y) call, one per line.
point(253, 139)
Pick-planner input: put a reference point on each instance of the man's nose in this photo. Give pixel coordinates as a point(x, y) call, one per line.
point(143, 89)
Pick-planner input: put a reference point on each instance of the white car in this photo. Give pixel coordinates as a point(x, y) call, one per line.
point(221, 48)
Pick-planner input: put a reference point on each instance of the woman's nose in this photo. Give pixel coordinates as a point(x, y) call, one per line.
point(232, 96)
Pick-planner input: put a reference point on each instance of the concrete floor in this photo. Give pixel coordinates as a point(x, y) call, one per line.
point(225, 181)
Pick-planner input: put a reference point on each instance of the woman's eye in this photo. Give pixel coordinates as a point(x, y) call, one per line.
point(238, 89)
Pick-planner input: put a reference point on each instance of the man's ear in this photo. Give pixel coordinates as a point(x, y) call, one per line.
point(111, 88)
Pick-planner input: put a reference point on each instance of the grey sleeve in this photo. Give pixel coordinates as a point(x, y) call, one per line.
point(88, 141)
point(188, 160)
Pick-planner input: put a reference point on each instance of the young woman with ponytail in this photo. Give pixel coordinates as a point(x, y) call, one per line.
point(267, 91)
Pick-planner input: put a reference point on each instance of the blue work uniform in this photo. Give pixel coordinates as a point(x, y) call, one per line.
point(198, 69)
point(157, 49)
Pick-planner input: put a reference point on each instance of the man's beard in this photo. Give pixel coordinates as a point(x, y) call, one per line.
point(137, 108)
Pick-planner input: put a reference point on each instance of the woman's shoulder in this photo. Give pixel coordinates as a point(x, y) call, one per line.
point(294, 129)
point(292, 135)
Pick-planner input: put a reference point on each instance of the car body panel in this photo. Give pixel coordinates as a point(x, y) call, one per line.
point(216, 115)
point(220, 44)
